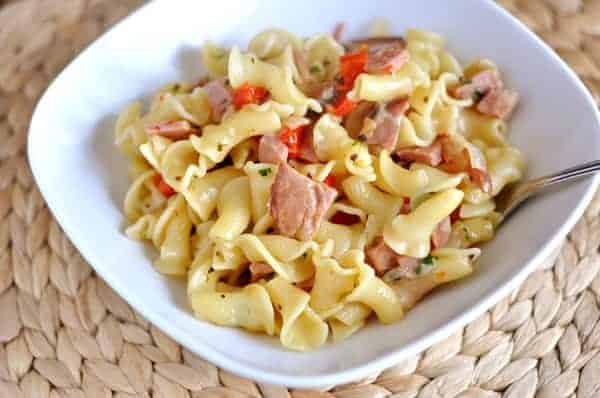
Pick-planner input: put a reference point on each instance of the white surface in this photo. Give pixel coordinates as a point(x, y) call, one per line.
point(83, 177)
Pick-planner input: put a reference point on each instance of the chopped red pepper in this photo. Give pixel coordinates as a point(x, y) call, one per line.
point(343, 106)
point(351, 65)
point(249, 94)
point(330, 180)
point(162, 186)
point(344, 218)
point(292, 138)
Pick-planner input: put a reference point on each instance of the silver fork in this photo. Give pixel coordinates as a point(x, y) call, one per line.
point(510, 198)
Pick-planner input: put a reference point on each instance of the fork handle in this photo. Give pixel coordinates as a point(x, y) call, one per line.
point(568, 174)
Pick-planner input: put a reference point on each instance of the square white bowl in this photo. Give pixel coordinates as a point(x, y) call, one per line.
point(83, 177)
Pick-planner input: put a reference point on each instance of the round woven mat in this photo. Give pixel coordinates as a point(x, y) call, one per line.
point(65, 333)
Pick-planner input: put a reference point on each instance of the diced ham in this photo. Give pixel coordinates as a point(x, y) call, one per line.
point(338, 31)
point(385, 134)
point(382, 258)
point(219, 97)
point(324, 92)
point(272, 150)
point(398, 107)
point(441, 234)
point(259, 270)
point(481, 178)
point(306, 285)
point(174, 130)
point(385, 120)
point(373, 42)
point(456, 159)
point(307, 148)
point(430, 155)
point(353, 123)
point(386, 58)
point(480, 84)
point(298, 204)
point(498, 103)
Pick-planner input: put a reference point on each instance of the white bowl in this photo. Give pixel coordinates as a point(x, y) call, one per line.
point(83, 177)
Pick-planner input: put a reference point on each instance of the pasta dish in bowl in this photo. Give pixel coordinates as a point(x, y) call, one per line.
point(307, 185)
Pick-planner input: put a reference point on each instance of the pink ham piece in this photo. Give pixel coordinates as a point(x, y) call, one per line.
point(457, 160)
point(272, 150)
point(398, 107)
point(382, 258)
point(386, 58)
point(259, 270)
point(441, 234)
point(481, 84)
point(353, 122)
point(430, 155)
point(338, 31)
point(174, 130)
point(385, 134)
point(219, 97)
point(307, 147)
point(306, 285)
point(481, 178)
point(298, 204)
point(498, 103)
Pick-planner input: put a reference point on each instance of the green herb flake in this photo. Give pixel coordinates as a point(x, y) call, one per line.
point(264, 172)
point(426, 265)
point(314, 69)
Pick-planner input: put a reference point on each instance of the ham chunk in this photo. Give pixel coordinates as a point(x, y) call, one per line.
point(353, 123)
point(498, 103)
point(298, 204)
point(338, 31)
point(386, 58)
point(481, 178)
point(430, 155)
point(382, 258)
point(441, 234)
point(272, 150)
point(480, 84)
point(259, 270)
point(219, 97)
point(174, 130)
point(307, 148)
point(398, 107)
point(385, 134)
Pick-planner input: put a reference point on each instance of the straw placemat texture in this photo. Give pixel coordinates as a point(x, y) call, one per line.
point(65, 333)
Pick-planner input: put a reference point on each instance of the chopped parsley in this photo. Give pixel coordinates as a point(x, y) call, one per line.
point(426, 265)
point(264, 172)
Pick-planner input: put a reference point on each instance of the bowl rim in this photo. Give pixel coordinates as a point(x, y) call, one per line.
point(331, 378)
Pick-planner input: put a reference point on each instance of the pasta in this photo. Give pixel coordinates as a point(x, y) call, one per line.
point(304, 187)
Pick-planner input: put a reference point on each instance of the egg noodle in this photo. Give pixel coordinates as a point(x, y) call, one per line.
point(305, 186)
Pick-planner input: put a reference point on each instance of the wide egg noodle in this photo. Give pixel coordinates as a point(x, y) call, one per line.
point(302, 328)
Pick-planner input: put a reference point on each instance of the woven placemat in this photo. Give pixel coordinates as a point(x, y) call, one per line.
point(65, 333)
